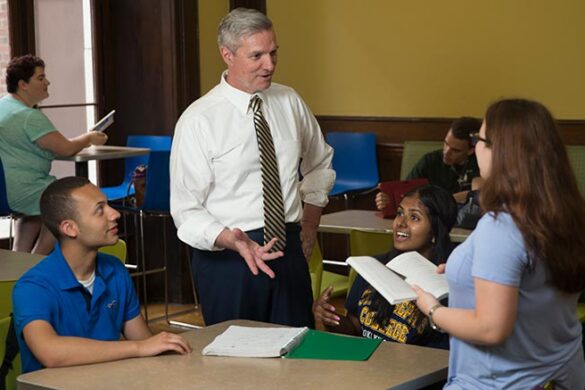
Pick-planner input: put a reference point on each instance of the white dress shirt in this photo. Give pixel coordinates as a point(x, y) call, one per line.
point(215, 163)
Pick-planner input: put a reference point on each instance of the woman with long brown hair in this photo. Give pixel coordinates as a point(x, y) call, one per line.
point(514, 282)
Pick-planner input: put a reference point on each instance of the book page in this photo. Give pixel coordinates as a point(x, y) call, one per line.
point(241, 341)
point(386, 282)
point(420, 271)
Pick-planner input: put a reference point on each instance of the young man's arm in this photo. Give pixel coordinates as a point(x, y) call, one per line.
point(53, 350)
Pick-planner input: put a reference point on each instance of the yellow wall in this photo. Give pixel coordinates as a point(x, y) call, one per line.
point(211, 64)
point(420, 58)
point(431, 58)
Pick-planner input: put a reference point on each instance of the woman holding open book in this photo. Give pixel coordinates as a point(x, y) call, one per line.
point(423, 221)
point(514, 283)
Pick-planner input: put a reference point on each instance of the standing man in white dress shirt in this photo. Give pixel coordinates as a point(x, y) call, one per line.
point(218, 183)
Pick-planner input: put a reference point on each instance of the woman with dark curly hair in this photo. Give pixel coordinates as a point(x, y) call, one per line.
point(423, 221)
point(28, 144)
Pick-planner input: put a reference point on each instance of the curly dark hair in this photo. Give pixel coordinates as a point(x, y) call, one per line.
point(21, 68)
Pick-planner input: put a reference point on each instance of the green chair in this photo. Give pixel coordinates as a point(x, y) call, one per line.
point(581, 312)
point(413, 151)
point(576, 155)
point(118, 250)
point(16, 364)
point(6, 297)
point(338, 281)
point(316, 270)
point(365, 243)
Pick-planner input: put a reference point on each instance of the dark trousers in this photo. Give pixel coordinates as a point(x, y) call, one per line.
point(228, 289)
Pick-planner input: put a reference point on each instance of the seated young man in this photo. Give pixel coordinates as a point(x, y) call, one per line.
point(72, 307)
point(453, 168)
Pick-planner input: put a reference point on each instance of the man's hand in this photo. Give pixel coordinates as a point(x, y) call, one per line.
point(382, 200)
point(308, 238)
point(163, 342)
point(254, 255)
point(309, 227)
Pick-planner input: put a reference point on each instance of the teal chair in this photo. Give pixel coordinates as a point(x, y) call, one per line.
point(413, 151)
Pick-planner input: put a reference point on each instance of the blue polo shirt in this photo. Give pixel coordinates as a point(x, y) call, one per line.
point(50, 292)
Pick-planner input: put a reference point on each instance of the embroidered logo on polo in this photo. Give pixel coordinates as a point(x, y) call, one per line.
point(112, 304)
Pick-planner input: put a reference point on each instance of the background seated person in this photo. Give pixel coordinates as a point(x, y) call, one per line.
point(423, 221)
point(452, 168)
point(28, 144)
point(71, 307)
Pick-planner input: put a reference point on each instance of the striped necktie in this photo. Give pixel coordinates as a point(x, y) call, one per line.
point(274, 222)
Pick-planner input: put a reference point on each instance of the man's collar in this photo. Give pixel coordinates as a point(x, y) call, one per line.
point(65, 277)
point(239, 98)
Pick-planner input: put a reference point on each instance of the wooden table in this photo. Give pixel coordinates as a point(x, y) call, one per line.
point(393, 365)
point(101, 152)
point(347, 220)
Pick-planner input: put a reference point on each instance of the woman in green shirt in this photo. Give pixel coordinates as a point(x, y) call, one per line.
point(28, 144)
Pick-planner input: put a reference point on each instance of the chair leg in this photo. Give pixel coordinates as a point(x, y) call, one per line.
point(192, 279)
point(165, 272)
point(195, 299)
point(10, 233)
point(143, 265)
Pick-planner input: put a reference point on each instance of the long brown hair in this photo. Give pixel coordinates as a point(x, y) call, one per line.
point(531, 178)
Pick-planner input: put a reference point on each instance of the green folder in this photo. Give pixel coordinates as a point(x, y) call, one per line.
point(330, 346)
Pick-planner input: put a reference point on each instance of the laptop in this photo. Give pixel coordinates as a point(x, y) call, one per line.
point(395, 191)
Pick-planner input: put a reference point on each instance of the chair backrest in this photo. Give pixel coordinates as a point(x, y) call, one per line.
point(118, 250)
point(4, 207)
point(6, 297)
point(576, 155)
point(157, 194)
point(354, 158)
point(365, 243)
point(16, 370)
point(153, 142)
point(413, 151)
point(316, 270)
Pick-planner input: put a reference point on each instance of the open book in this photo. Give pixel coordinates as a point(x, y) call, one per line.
point(105, 122)
point(393, 280)
point(243, 341)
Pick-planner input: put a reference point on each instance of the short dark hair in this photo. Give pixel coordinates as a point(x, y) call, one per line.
point(463, 127)
point(21, 68)
point(57, 204)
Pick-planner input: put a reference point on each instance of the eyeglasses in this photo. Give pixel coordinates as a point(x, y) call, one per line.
point(475, 138)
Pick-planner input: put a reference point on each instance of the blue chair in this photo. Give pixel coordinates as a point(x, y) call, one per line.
point(154, 143)
point(5, 210)
point(354, 161)
point(156, 205)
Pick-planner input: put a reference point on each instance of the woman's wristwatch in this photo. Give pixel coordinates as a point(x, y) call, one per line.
point(430, 315)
